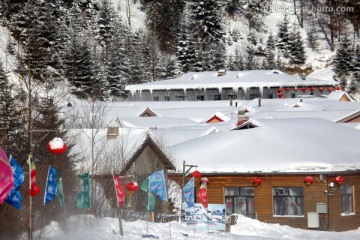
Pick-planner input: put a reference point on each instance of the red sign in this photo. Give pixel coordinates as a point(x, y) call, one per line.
point(120, 193)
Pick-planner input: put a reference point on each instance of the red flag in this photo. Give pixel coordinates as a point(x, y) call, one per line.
point(120, 193)
point(34, 189)
point(203, 196)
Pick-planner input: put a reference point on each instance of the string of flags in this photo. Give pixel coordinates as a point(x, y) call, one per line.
point(12, 177)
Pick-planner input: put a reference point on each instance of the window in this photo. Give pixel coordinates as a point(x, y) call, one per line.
point(293, 95)
point(240, 200)
point(253, 96)
point(156, 99)
point(232, 97)
point(347, 201)
point(180, 98)
point(167, 98)
point(217, 97)
point(200, 98)
point(270, 96)
point(288, 201)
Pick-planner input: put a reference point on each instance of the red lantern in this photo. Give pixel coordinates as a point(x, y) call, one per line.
point(204, 180)
point(295, 89)
point(196, 174)
point(132, 186)
point(287, 89)
point(256, 181)
point(57, 146)
point(303, 89)
point(309, 180)
point(281, 94)
point(321, 89)
point(339, 179)
point(338, 88)
point(280, 89)
point(330, 89)
point(312, 89)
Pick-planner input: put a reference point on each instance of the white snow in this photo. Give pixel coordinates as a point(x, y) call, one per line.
point(88, 227)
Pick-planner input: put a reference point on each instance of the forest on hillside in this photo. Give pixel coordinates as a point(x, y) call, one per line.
point(86, 43)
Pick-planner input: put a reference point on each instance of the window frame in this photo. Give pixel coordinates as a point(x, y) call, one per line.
point(241, 192)
point(351, 197)
point(297, 199)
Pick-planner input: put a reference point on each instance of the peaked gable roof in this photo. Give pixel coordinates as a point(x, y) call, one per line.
point(149, 142)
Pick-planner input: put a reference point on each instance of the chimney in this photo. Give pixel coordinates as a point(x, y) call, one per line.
point(112, 132)
point(241, 117)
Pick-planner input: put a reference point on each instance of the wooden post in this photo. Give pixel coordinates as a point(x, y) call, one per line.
point(120, 223)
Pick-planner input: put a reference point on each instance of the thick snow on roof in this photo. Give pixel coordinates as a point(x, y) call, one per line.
point(156, 122)
point(285, 145)
point(108, 153)
point(233, 79)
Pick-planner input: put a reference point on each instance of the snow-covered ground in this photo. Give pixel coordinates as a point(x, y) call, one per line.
point(87, 227)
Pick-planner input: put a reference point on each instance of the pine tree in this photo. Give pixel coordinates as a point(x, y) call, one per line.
point(283, 35)
point(296, 50)
point(355, 80)
point(343, 59)
point(208, 30)
point(312, 35)
point(105, 24)
point(270, 53)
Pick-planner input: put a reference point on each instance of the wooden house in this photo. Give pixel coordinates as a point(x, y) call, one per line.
point(278, 171)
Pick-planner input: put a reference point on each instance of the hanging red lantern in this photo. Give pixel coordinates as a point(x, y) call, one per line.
point(339, 179)
point(321, 89)
point(57, 146)
point(281, 94)
point(196, 174)
point(312, 89)
point(287, 89)
point(256, 181)
point(338, 88)
point(132, 186)
point(308, 180)
point(295, 89)
point(330, 89)
point(280, 89)
point(204, 180)
point(303, 89)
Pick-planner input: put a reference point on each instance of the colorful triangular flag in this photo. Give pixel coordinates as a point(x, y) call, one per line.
point(51, 186)
point(83, 198)
point(14, 198)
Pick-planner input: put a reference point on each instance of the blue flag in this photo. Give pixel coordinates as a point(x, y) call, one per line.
point(157, 184)
point(189, 193)
point(51, 186)
point(14, 198)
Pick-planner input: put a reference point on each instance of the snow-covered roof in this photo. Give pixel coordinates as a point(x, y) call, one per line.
point(279, 145)
point(233, 79)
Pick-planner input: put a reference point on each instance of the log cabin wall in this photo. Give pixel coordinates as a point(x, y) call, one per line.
point(315, 193)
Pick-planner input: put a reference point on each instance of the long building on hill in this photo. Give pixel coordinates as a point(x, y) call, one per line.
point(227, 85)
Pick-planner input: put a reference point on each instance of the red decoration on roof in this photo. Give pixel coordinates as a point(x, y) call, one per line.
point(287, 89)
point(308, 180)
point(303, 89)
point(214, 118)
point(280, 89)
point(256, 181)
point(132, 186)
point(330, 89)
point(339, 179)
point(312, 89)
point(295, 89)
point(338, 88)
point(196, 174)
point(281, 95)
point(321, 89)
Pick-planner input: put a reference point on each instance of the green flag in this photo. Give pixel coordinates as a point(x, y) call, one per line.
point(145, 186)
point(83, 198)
point(60, 189)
